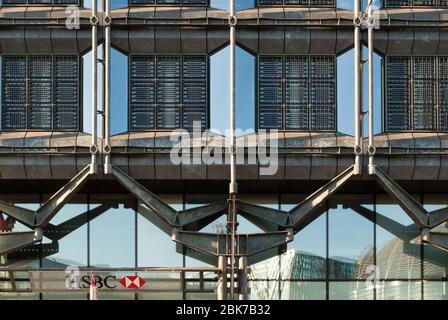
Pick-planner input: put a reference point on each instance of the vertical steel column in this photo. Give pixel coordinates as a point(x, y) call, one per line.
point(94, 146)
point(371, 147)
point(357, 89)
point(232, 214)
point(222, 278)
point(107, 42)
point(242, 277)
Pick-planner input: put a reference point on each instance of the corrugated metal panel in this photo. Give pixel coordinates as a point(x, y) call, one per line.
point(168, 92)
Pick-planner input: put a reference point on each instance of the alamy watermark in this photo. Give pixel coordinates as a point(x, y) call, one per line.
point(73, 21)
point(211, 148)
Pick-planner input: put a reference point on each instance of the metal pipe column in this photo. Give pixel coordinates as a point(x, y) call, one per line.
point(371, 147)
point(232, 214)
point(107, 43)
point(357, 89)
point(94, 146)
point(222, 278)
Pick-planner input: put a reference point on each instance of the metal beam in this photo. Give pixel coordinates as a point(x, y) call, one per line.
point(196, 215)
point(52, 206)
point(270, 216)
point(218, 244)
point(411, 206)
point(303, 212)
point(436, 239)
point(12, 241)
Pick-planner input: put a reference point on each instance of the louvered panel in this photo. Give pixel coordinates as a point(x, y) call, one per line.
point(14, 92)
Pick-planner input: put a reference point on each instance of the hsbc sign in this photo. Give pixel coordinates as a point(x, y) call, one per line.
point(132, 282)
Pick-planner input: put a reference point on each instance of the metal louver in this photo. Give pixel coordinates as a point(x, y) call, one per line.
point(168, 92)
point(40, 92)
point(296, 92)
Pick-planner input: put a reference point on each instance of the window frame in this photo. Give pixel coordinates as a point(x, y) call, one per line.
point(27, 104)
point(437, 106)
point(181, 104)
point(283, 106)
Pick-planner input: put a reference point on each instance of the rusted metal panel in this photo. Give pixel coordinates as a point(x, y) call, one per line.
point(297, 165)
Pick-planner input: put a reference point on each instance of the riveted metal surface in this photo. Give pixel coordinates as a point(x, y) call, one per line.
point(63, 166)
point(323, 167)
point(141, 40)
point(401, 167)
point(164, 168)
point(120, 142)
point(141, 166)
point(167, 40)
point(323, 41)
point(400, 41)
point(12, 165)
point(297, 166)
point(193, 40)
point(443, 173)
point(426, 41)
point(297, 40)
point(37, 166)
point(427, 166)
point(272, 40)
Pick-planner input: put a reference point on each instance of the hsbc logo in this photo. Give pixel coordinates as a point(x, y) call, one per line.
point(132, 282)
